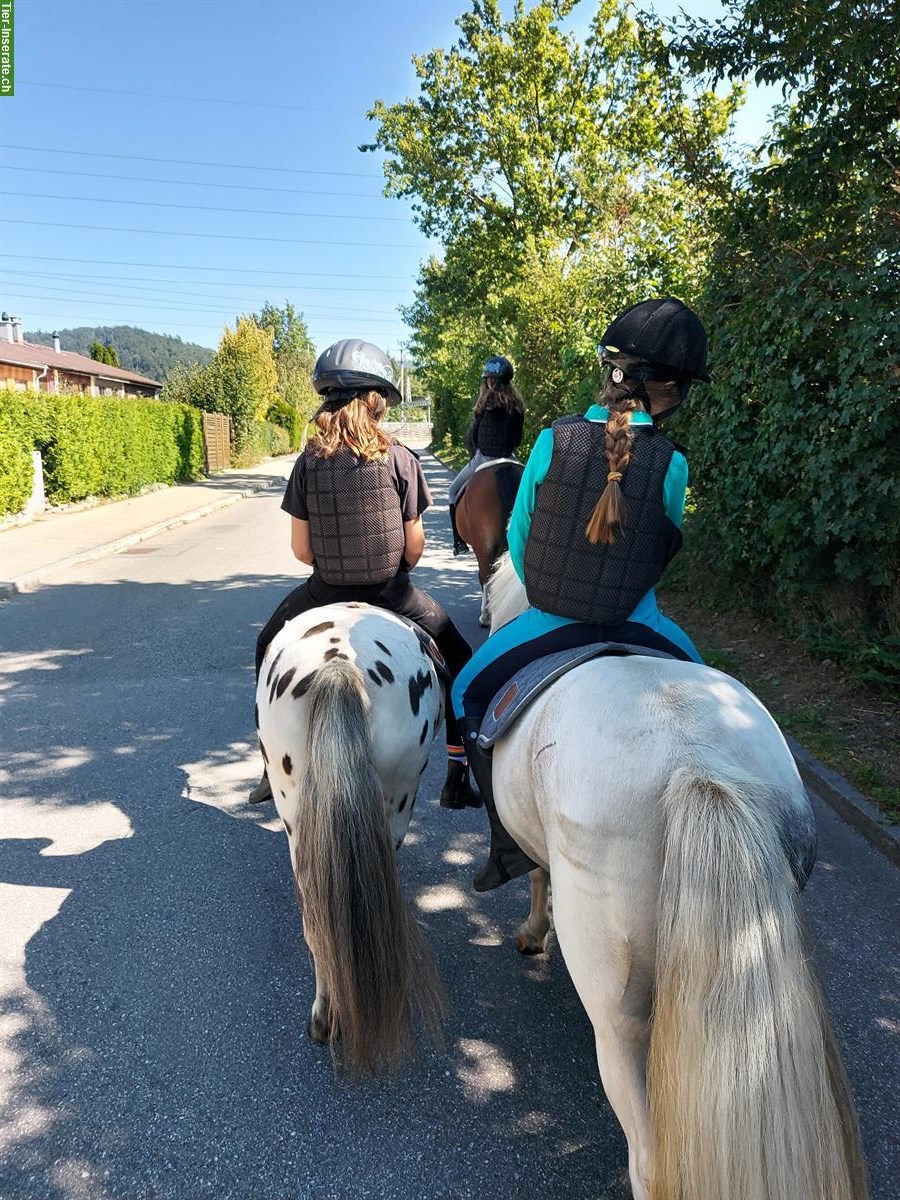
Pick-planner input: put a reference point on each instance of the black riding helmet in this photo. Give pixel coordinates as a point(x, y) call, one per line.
point(666, 335)
point(498, 367)
point(350, 367)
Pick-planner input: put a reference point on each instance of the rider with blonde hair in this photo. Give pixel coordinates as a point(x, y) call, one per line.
point(356, 498)
point(596, 521)
point(495, 432)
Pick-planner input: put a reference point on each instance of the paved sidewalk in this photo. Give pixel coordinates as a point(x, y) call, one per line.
point(55, 541)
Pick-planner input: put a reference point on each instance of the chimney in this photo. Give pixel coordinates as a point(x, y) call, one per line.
point(56, 346)
point(6, 329)
point(16, 329)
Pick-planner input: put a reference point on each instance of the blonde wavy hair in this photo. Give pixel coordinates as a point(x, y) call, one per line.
point(353, 427)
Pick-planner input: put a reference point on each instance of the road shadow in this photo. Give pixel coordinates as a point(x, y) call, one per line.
point(155, 1029)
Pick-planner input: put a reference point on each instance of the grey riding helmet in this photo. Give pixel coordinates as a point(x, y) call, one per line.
point(666, 335)
point(498, 367)
point(350, 367)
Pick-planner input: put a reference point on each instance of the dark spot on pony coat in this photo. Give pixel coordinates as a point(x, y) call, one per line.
point(402, 803)
point(332, 653)
point(334, 640)
point(418, 686)
point(375, 678)
point(303, 686)
point(256, 714)
point(288, 765)
point(385, 672)
point(263, 751)
point(273, 666)
point(285, 682)
point(382, 646)
point(287, 828)
point(319, 628)
point(424, 734)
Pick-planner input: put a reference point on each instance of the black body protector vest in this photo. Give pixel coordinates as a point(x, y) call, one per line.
point(355, 520)
point(496, 433)
point(567, 575)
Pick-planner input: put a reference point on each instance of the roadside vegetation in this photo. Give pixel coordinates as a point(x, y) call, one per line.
point(571, 177)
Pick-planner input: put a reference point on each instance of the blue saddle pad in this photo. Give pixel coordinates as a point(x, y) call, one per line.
point(528, 683)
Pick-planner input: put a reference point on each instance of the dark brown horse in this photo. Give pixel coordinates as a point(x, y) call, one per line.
point(482, 516)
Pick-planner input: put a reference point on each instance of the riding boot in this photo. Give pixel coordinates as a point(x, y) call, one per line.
point(506, 860)
point(459, 546)
point(457, 791)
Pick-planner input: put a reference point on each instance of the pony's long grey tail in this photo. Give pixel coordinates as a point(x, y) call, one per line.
point(367, 945)
point(747, 1093)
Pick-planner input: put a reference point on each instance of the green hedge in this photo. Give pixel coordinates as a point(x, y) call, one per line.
point(93, 445)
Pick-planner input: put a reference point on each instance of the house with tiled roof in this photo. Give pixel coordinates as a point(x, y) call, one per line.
point(52, 369)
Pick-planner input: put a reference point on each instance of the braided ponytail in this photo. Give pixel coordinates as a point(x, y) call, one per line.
point(609, 512)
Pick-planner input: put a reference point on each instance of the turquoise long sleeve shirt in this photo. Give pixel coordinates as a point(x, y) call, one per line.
point(534, 622)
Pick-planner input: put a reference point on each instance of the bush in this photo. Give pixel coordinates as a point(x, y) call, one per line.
point(284, 415)
point(264, 440)
point(94, 446)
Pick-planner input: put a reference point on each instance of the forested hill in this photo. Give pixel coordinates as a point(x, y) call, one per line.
point(151, 354)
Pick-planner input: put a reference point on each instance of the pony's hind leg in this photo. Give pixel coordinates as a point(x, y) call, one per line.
point(320, 1026)
point(615, 991)
point(531, 937)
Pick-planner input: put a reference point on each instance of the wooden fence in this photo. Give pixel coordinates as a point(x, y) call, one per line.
point(217, 440)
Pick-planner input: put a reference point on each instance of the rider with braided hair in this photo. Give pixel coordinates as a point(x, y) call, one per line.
point(597, 519)
point(356, 498)
point(495, 432)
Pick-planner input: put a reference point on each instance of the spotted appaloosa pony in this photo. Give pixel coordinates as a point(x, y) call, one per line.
point(348, 703)
point(664, 803)
point(482, 516)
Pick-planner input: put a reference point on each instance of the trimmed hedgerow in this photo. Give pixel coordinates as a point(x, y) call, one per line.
point(94, 445)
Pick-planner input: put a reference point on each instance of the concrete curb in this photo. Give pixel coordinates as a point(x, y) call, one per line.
point(847, 802)
point(28, 583)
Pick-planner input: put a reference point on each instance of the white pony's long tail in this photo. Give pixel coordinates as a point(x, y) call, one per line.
point(367, 945)
point(747, 1094)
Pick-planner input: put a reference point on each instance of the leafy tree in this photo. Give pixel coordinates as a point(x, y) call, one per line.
point(796, 474)
point(240, 380)
point(566, 178)
point(104, 354)
point(295, 358)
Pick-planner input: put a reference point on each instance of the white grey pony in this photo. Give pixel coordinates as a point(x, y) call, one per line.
point(664, 803)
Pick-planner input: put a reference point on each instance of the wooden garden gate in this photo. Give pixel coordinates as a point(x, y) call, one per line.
point(217, 440)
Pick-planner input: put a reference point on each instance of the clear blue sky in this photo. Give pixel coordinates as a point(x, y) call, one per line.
point(210, 107)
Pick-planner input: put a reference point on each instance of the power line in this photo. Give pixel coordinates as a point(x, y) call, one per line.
point(231, 237)
point(216, 305)
point(123, 280)
point(69, 87)
point(116, 262)
point(328, 322)
point(264, 212)
point(240, 187)
point(189, 162)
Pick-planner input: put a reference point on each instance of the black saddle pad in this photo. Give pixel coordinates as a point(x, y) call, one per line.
point(528, 683)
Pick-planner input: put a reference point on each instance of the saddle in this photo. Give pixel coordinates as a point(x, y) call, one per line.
point(529, 681)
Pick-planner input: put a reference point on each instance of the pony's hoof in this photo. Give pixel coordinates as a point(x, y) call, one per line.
point(527, 943)
point(262, 791)
point(319, 1028)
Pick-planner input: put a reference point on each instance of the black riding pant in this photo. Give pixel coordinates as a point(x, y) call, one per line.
point(398, 595)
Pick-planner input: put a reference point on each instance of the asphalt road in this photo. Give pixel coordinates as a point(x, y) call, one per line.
point(155, 988)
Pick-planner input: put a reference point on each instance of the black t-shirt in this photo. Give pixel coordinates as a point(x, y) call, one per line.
point(408, 479)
